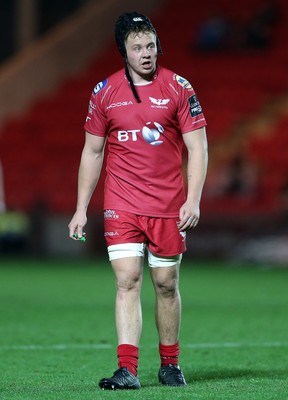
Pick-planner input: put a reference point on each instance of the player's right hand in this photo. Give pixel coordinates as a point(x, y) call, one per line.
point(76, 226)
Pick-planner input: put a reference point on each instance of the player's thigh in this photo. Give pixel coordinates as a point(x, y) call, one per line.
point(164, 238)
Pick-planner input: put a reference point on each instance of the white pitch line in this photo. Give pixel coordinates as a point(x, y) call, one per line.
point(88, 346)
point(102, 346)
point(234, 345)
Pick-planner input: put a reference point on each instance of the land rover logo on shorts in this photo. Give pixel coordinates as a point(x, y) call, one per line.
point(99, 87)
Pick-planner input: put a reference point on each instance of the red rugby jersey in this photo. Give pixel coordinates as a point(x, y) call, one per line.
point(144, 162)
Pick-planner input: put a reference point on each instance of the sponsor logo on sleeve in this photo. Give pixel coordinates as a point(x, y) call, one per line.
point(195, 107)
point(92, 107)
point(99, 87)
point(183, 82)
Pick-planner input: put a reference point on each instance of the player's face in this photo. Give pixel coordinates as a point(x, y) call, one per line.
point(141, 52)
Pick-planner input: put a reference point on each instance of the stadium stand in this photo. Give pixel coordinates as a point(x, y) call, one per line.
point(40, 150)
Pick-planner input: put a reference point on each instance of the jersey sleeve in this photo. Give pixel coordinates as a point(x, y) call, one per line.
point(96, 120)
point(190, 114)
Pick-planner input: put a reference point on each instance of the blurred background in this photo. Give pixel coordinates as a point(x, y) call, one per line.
point(52, 53)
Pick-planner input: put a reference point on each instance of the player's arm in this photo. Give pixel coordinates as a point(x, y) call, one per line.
point(88, 176)
point(196, 143)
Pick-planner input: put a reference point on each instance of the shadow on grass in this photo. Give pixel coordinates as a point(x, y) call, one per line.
point(219, 374)
point(224, 374)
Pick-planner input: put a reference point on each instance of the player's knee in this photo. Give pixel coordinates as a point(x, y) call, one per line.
point(128, 283)
point(166, 287)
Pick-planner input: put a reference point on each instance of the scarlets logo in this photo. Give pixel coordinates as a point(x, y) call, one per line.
point(159, 103)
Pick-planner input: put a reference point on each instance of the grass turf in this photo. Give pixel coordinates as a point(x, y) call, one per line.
point(57, 335)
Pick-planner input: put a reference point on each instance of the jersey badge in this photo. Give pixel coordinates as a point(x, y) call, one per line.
point(195, 107)
point(183, 82)
point(159, 103)
point(99, 87)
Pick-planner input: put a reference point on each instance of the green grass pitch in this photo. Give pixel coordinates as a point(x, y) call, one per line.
point(57, 335)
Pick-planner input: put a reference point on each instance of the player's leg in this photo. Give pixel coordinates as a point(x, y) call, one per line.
point(168, 316)
point(127, 263)
point(128, 274)
point(125, 244)
point(168, 301)
point(165, 247)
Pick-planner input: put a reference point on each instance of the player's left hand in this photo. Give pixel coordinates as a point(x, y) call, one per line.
point(189, 217)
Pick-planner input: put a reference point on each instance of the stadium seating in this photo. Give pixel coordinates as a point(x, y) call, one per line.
point(40, 151)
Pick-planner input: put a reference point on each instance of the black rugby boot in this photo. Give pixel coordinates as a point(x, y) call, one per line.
point(121, 379)
point(171, 375)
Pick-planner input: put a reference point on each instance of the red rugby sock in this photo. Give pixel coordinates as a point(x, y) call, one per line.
point(128, 357)
point(169, 353)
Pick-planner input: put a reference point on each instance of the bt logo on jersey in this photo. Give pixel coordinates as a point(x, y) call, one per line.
point(123, 136)
point(151, 133)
